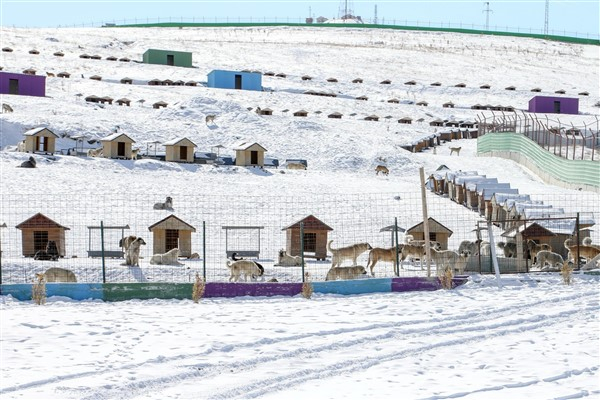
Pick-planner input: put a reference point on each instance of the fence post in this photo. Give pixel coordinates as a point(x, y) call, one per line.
point(204, 250)
point(102, 251)
point(493, 253)
point(577, 233)
point(397, 271)
point(302, 248)
point(425, 221)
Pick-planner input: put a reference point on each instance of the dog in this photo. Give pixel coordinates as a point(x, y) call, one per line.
point(21, 146)
point(295, 165)
point(210, 118)
point(509, 248)
point(455, 150)
point(31, 163)
point(554, 260)
point(168, 258)
point(470, 247)
point(50, 74)
point(126, 241)
point(98, 152)
point(344, 273)
point(384, 255)
point(534, 248)
point(50, 254)
point(132, 251)
point(59, 275)
point(134, 154)
point(194, 256)
point(167, 205)
point(449, 259)
point(286, 260)
point(585, 251)
point(248, 268)
point(347, 253)
point(6, 108)
point(383, 169)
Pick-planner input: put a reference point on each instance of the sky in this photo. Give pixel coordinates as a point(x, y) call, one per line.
point(572, 17)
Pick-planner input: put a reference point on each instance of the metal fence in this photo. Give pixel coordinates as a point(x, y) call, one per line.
point(566, 140)
point(209, 228)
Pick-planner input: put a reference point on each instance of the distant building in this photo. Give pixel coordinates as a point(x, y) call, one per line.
point(22, 84)
point(235, 80)
point(249, 154)
point(168, 57)
point(554, 105)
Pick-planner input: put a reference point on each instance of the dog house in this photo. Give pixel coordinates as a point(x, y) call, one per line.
point(301, 113)
point(315, 238)
point(437, 232)
point(405, 120)
point(170, 233)
point(37, 231)
point(249, 154)
point(159, 104)
point(117, 145)
point(179, 150)
point(235, 80)
point(41, 140)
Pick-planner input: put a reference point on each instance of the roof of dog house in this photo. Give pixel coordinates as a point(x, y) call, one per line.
point(39, 220)
point(180, 142)
point(41, 131)
point(172, 222)
point(121, 136)
point(243, 145)
point(310, 222)
point(434, 226)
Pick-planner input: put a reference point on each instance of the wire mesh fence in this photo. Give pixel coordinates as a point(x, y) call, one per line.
point(88, 230)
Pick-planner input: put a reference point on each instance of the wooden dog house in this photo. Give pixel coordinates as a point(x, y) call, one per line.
point(172, 232)
point(117, 145)
point(249, 154)
point(179, 150)
point(37, 230)
point(315, 238)
point(437, 232)
point(40, 140)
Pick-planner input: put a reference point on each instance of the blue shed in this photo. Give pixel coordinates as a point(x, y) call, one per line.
point(235, 80)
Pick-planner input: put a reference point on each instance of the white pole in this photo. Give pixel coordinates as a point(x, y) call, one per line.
point(425, 221)
point(493, 253)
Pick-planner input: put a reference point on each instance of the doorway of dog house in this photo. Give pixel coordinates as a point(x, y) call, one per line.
point(310, 242)
point(40, 240)
point(171, 239)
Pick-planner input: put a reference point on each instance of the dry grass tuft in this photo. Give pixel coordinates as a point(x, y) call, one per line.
point(38, 290)
point(566, 271)
point(198, 289)
point(307, 287)
point(446, 278)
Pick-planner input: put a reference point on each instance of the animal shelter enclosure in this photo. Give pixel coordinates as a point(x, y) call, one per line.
point(207, 230)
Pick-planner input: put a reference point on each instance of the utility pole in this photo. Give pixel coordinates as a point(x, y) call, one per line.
point(375, 19)
point(546, 17)
point(487, 15)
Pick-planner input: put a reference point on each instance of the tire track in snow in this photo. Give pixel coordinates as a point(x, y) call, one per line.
point(408, 327)
point(210, 371)
point(260, 387)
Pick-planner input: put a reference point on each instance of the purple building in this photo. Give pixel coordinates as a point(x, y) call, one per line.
point(554, 105)
point(21, 84)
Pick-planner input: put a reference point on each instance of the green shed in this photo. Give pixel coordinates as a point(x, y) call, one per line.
point(168, 57)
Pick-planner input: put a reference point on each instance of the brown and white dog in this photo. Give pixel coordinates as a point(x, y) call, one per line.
point(59, 275)
point(353, 272)
point(132, 245)
point(347, 253)
point(585, 251)
point(286, 260)
point(509, 248)
point(383, 169)
point(248, 268)
point(534, 248)
point(379, 254)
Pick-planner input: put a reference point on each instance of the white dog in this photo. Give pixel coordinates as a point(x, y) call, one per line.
point(449, 259)
point(167, 205)
point(246, 267)
point(286, 260)
point(210, 118)
point(547, 257)
point(168, 258)
point(95, 152)
point(59, 275)
point(132, 251)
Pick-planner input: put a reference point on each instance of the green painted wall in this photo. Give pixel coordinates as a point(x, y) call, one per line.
point(583, 174)
point(180, 58)
point(556, 38)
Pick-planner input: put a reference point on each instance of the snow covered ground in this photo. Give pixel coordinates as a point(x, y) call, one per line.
point(534, 338)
